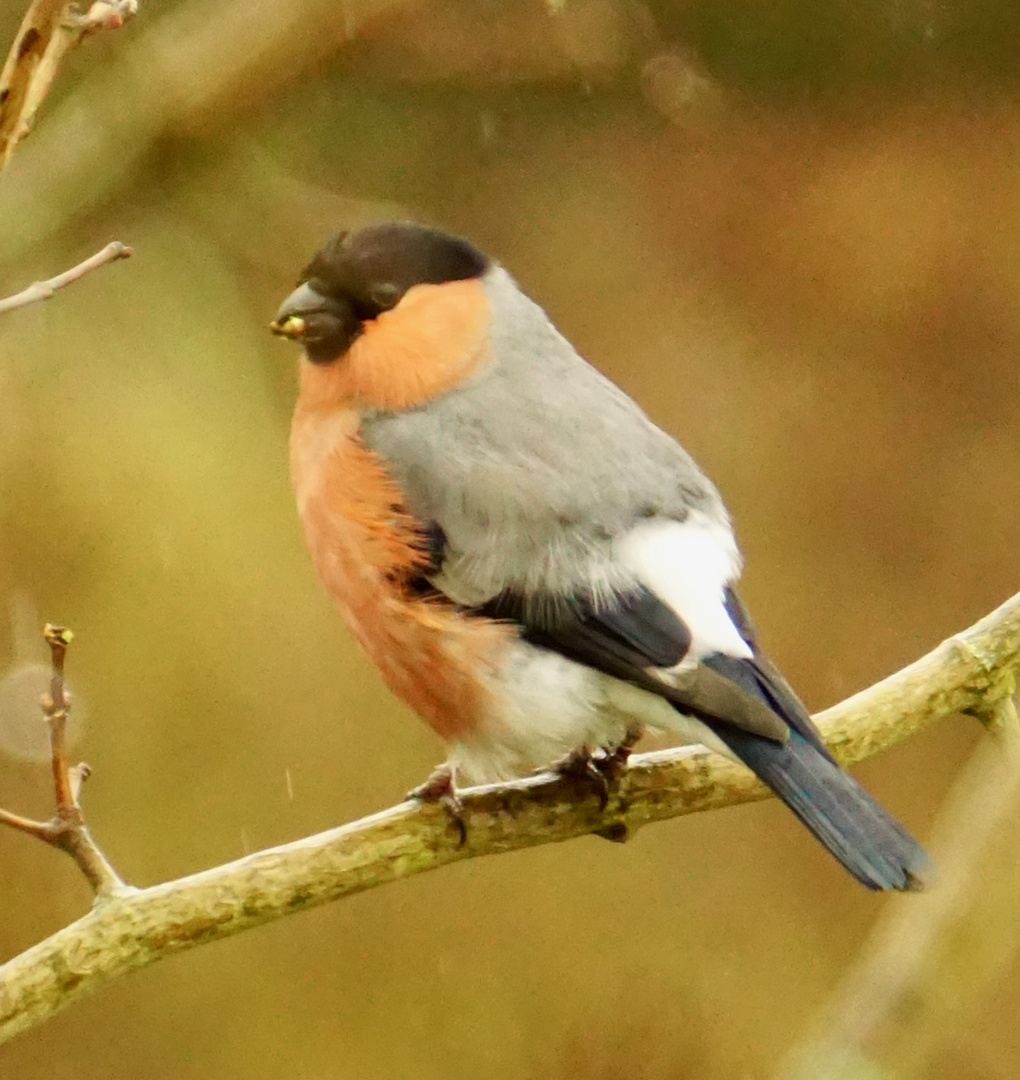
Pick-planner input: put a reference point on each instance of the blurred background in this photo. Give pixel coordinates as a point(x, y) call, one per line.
point(790, 230)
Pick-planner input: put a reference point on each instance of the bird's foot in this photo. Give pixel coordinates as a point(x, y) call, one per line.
point(600, 769)
point(613, 763)
point(583, 766)
point(439, 788)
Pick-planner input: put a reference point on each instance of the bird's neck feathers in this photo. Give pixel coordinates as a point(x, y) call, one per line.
point(433, 340)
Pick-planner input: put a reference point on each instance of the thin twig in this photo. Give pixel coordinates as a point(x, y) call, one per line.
point(42, 830)
point(66, 830)
point(78, 775)
point(106, 15)
point(43, 290)
point(48, 32)
point(56, 706)
point(134, 928)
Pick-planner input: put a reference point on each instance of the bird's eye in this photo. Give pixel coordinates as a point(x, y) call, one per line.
point(384, 295)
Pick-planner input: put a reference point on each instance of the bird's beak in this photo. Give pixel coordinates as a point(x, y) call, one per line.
point(324, 326)
point(290, 320)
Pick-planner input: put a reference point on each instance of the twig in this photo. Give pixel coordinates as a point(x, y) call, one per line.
point(43, 290)
point(66, 830)
point(132, 929)
point(56, 706)
point(105, 15)
point(48, 32)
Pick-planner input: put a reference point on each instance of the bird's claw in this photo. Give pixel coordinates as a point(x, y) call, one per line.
point(439, 788)
point(613, 763)
point(600, 769)
point(582, 765)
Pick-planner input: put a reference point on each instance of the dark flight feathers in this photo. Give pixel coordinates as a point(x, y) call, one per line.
point(636, 633)
point(746, 703)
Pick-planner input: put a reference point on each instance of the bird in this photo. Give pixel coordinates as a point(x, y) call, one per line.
point(535, 567)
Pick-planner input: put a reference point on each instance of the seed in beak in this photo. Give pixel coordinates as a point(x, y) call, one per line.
point(291, 327)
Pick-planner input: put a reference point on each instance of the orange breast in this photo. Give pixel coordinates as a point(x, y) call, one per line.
point(366, 548)
point(431, 341)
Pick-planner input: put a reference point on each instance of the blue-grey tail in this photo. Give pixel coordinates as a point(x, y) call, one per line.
point(867, 840)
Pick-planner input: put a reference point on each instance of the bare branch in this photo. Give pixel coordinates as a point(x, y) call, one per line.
point(78, 775)
point(48, 32)
point(129, 929)
point(66, 830)
point(56, 706)
point(43, 290)
point(106, 15)
point(19, 74)
point(41, 830)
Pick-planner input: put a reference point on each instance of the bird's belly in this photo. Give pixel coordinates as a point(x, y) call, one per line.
point(366, 550)
point(502, 705)
point(542, 706)
point(545, 705)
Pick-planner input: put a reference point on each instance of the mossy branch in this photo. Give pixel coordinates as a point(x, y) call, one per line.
point(132, 928)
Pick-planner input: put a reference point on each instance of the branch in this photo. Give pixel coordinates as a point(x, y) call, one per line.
point(48, 32)
point(43, 290)
point(134, 928)
point(67, 829)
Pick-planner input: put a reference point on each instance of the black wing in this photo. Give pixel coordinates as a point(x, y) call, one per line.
point(627, 636)
point(630, 633)
point(745, 701)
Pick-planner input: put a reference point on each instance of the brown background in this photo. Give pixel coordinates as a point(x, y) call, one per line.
point(789, 230)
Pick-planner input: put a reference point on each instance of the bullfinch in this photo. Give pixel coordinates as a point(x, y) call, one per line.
point(532, 564)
